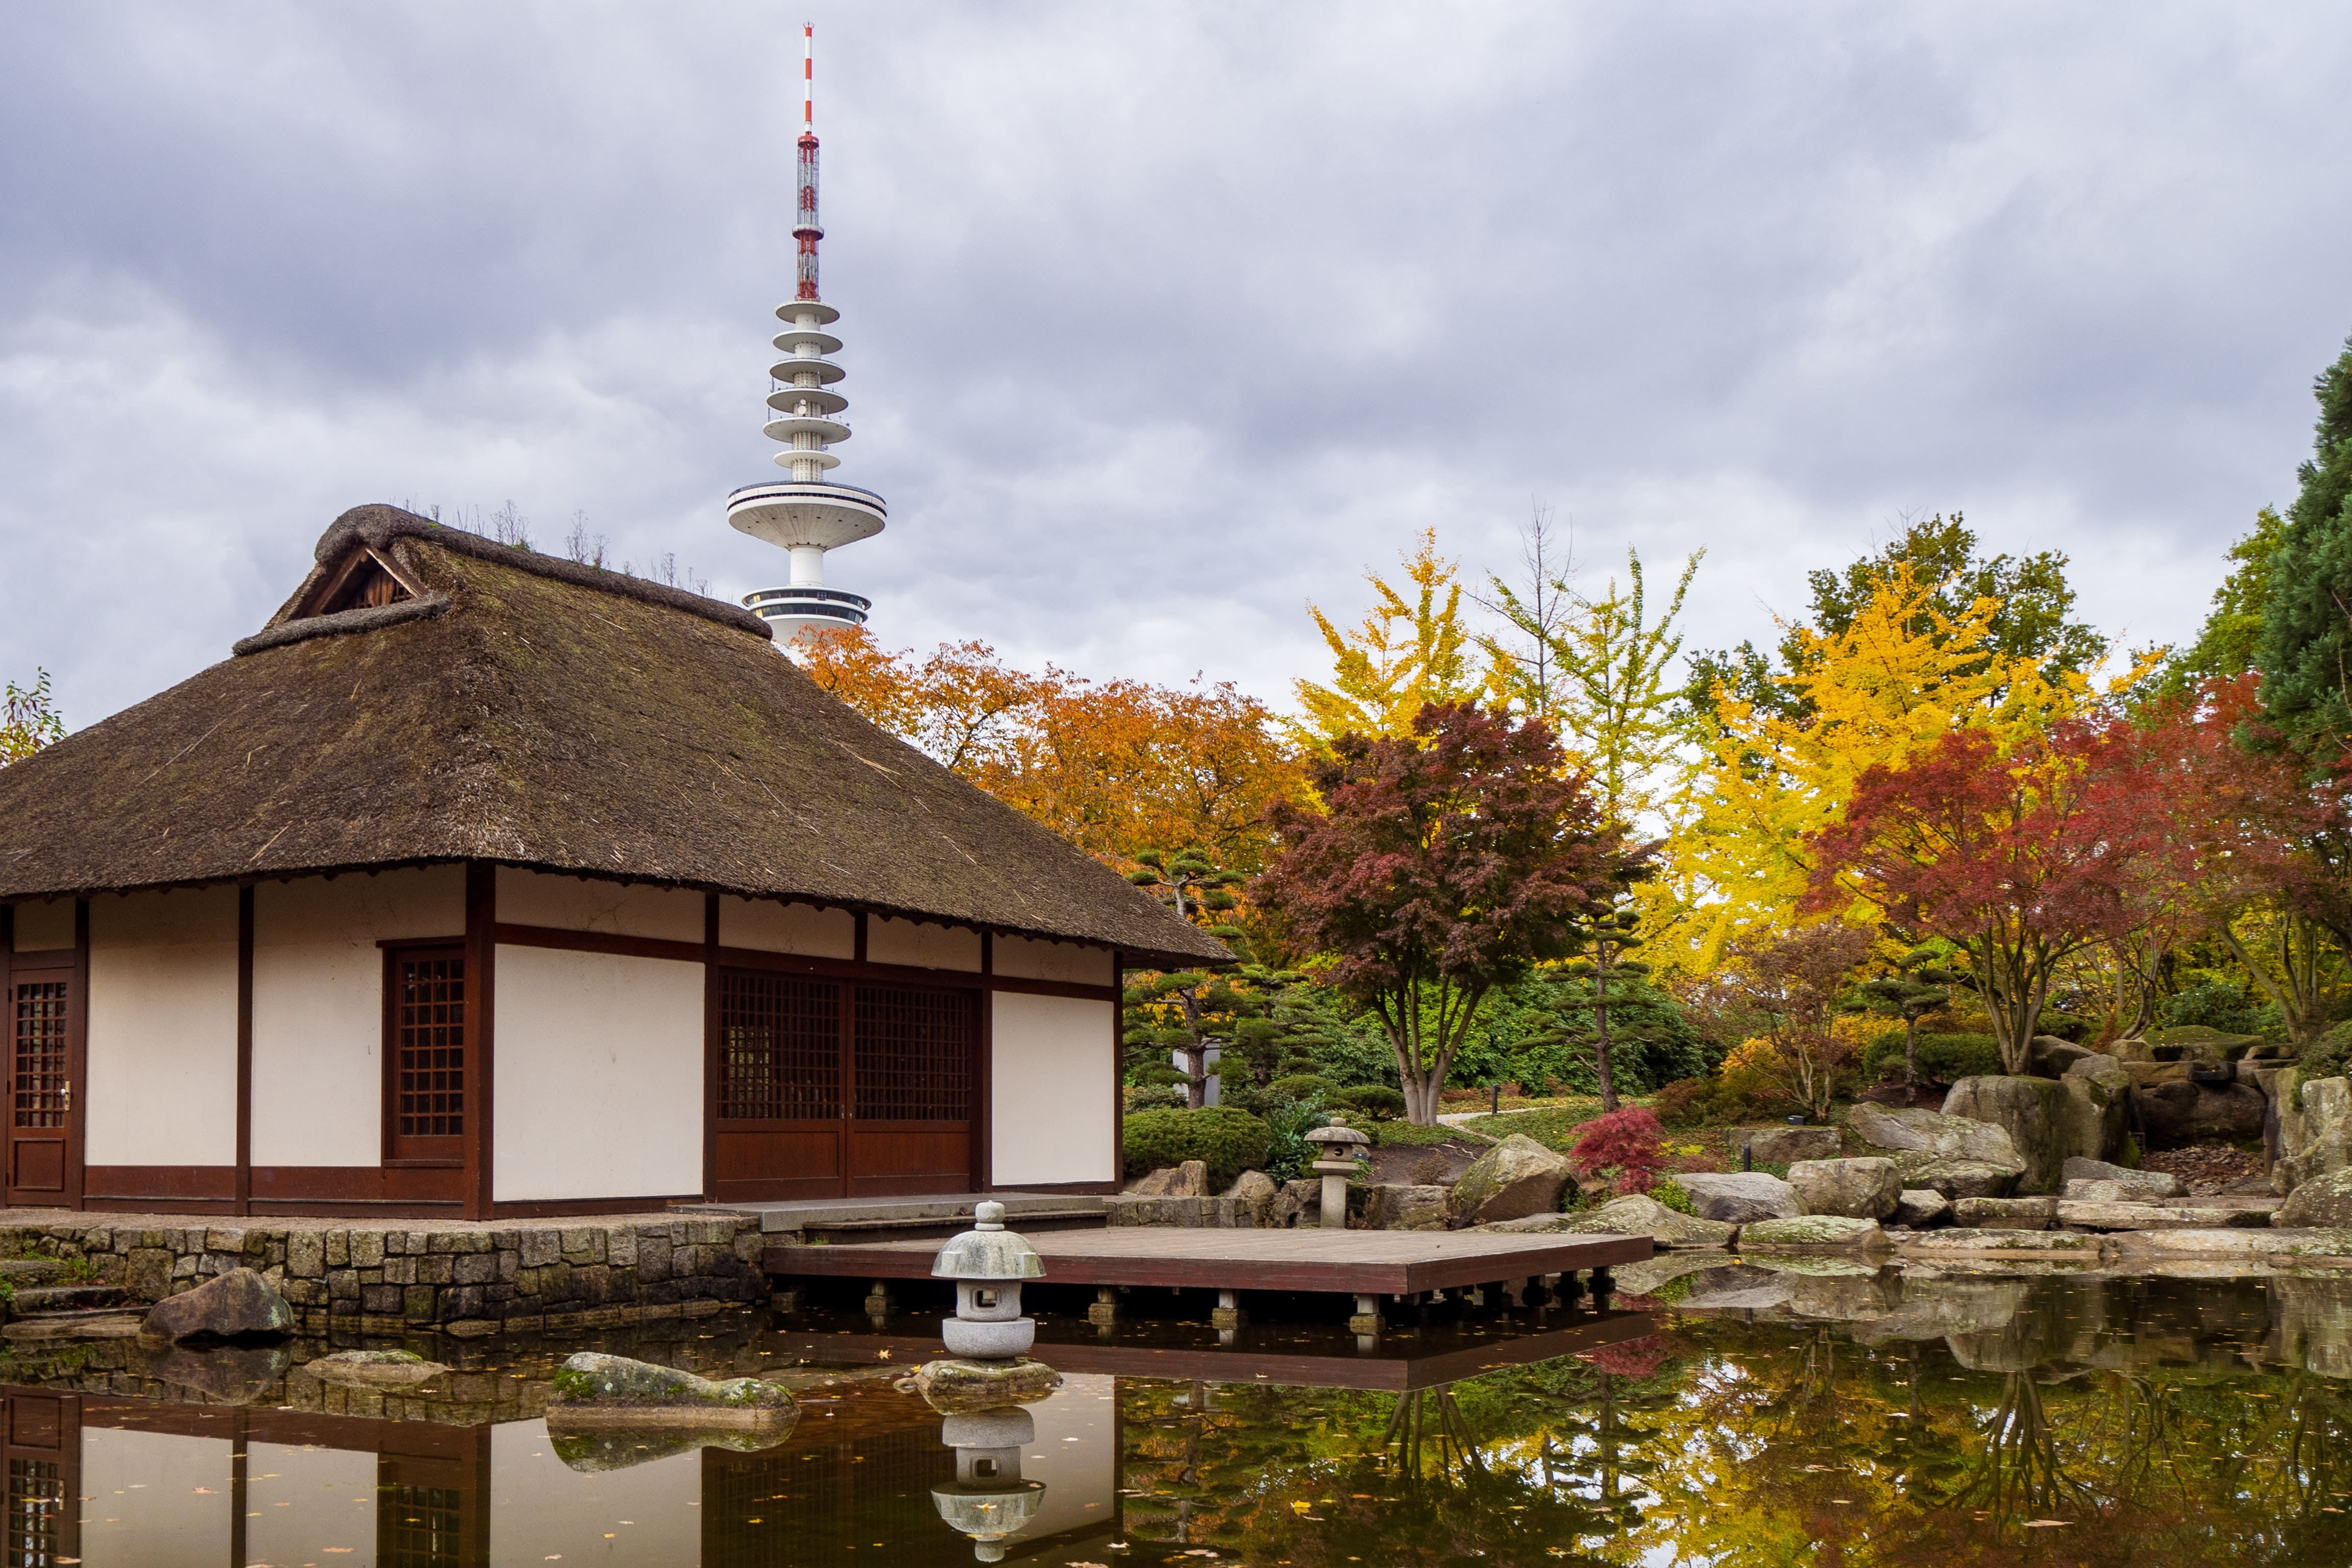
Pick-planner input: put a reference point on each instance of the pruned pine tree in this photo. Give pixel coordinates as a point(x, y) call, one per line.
point(1608, 933)
point(1915, 985)
point(1173, 1022)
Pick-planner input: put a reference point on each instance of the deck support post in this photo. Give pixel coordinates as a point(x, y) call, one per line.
point(1228, 1313)
point(1603, 1288)
point(1104, 1311)
point(879, 1301)
point(1515, 1291)
point(785, 1298)
point(1366, 1323)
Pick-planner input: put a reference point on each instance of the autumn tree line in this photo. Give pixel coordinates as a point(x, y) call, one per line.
point(1518, 831)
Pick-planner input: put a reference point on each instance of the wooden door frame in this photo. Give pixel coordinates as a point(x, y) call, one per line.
point(74, 964)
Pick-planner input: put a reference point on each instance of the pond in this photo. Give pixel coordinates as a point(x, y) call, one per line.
point(1742, 1412)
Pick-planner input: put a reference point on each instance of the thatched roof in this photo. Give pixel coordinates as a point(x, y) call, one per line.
point(509, 707)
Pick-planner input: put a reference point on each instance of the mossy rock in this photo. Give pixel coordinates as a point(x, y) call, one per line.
point(594, 1390)
point(951, 1386)
point(1811, 1230)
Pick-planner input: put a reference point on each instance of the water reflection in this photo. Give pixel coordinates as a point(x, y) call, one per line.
point(1753, 1412)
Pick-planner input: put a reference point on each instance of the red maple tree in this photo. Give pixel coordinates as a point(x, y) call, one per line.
point(1444, 863)
point(2019, 859)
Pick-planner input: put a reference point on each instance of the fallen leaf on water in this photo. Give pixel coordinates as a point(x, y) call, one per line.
point(2048, 1523)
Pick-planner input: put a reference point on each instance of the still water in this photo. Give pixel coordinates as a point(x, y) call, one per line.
point(1739, 1413)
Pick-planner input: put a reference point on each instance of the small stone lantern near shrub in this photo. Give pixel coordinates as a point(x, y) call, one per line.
point(988, 1263)
point(1338, 1144)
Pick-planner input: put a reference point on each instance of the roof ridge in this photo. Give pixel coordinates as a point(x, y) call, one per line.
point(378, 525)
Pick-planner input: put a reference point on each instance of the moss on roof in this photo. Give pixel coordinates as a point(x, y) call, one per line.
point(552, 716)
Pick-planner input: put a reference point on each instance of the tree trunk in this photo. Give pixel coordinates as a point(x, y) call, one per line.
point(1910, 1051)
point(1602, 1069)
point(1421, 1100)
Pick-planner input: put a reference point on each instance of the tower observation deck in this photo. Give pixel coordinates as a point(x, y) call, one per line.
point(808, 513)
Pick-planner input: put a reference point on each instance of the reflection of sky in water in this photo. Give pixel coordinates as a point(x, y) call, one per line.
point(2123, 1422)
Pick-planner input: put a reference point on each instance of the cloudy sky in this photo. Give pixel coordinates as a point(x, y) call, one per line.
point(1161, 318)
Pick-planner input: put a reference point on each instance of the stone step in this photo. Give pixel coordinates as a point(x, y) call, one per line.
point(2157, 1216)
point(46, 1300)
point(22, 1271)
point(76, 1326)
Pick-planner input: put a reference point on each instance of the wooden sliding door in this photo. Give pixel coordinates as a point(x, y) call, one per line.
point(833, 1088)
point(44, 1013)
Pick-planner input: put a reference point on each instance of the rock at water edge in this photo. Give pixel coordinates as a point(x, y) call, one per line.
point(1811, 1230)
point(223, 1308)
point(373, 1369)
point(2006, 1214)
point(1920, 1207)
point(1516, 1178)
point(1864, 1188)
point(1641, 1215)
point(2147, 1183)
point(2324, 1202)
point(1739, 1197)
point(596, 1390)
point(954, 1386)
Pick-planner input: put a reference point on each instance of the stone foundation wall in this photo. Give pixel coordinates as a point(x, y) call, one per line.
point(473, 1281)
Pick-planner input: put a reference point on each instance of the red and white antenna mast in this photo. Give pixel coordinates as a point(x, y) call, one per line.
point(810, 513)
point(805, 228)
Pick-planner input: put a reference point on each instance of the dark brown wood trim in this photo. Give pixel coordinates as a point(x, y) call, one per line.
point(1117, 1072)
point(245, 1048)
point(161, 1183)
point(77, 1056)
point(601, 942)
point(712, 986)
point(481, 1011)
point(379, 1186)
point(553, 1207)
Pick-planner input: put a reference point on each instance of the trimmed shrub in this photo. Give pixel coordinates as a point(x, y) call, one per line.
point(1946, 1059)
point(1302, 1086)
point(1374, 1101)
point(1673, 1196)
point(1229, 1141)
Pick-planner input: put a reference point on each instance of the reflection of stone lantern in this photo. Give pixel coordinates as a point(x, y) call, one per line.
point(1338, 1142)
point(988, 1501)
point(988, 1263)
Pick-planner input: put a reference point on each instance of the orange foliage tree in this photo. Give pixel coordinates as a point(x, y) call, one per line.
point(1113, 766)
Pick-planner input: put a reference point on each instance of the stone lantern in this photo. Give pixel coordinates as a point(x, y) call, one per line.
point(988, 1263)
point(1337, 1143)
point(988, 1501)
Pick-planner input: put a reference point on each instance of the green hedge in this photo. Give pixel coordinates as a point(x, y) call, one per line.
point(1370, 1102)
point(1946, 1059)
point(1229, 1141)
point(1303, 1086)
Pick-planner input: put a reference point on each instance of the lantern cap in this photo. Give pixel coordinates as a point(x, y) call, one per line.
point(988, 1251)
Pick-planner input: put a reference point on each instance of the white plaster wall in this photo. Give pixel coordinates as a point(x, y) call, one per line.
point(1054, 1063)
point(301, 1501)
point(921, 946)
point(598, 1061)
point(767, 926)
point(543, 1510)
point(156, 1497)
point(162, 1029)
point(1076, 1455)
point(44, 927)
point(318, 1005)
point(1071, 963)
point(583, 903)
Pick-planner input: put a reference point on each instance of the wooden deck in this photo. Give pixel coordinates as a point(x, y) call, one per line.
point(1339, 1262)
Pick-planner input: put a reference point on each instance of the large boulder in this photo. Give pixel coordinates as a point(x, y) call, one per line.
point(1955, 1179)
point(1864, 1188)
point(1740, 1197)
point(2047, 1056)
point(2314, 1123)
point(1188, 1180)
point(1517, 1177)
point(1787, 1145)
point(2007, 1214)
point(1950, 1154)
point(1920, 1207)
point(1643, 1216)
point(2047, 1121)
point(1390, 1206)
point(2139, 1183)
point(2323, 1202)
point(1255, 1192)
point(1811, 1230)
point(2180, 1111)
point(226, 1307)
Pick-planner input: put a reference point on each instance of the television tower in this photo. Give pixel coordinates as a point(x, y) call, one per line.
point(807, 514)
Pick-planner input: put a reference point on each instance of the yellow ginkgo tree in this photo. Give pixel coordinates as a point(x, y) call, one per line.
point(1411, 649)
point(1905, 672)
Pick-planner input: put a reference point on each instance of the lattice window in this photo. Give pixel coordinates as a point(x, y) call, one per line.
point(914, 1053)
point(423, 1527)
point(38, 1080)
point(37, 1500)
point(780, 1058)
point(428, 1048)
